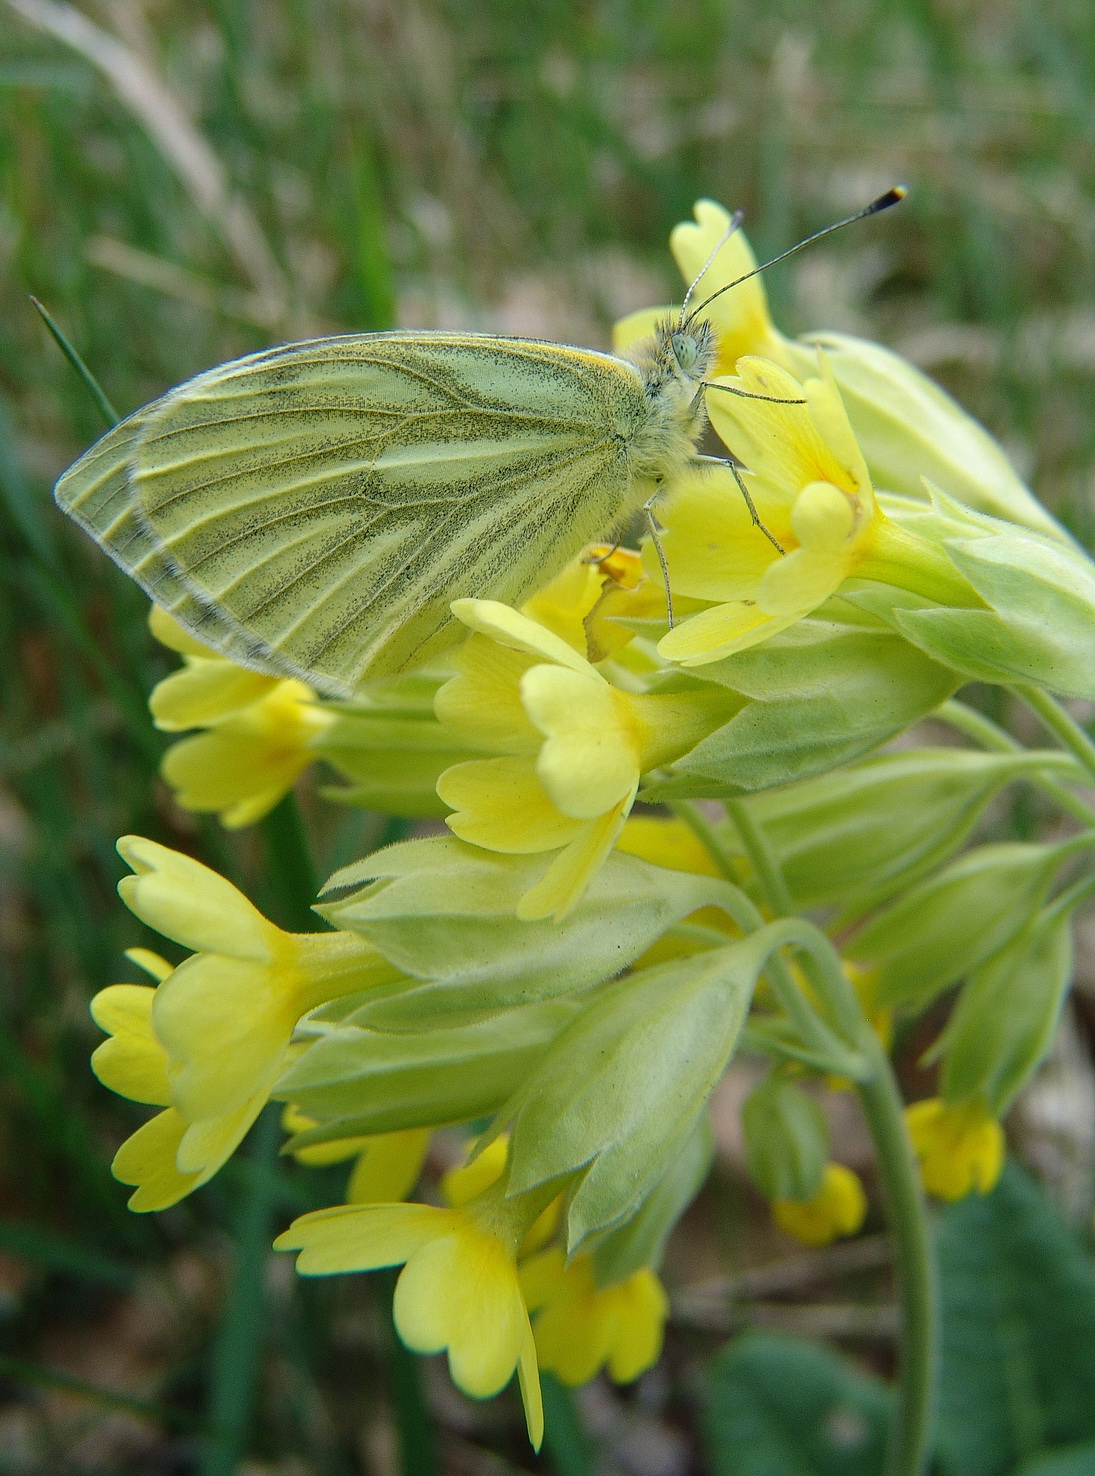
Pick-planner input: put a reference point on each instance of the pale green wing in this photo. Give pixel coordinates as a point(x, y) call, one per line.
point(314, 510)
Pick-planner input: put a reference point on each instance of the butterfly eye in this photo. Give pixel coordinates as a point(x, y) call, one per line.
point(685, 350)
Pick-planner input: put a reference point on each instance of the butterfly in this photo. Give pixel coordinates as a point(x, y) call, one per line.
point(313, 510)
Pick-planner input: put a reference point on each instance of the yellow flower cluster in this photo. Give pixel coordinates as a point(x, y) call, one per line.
point(543, 727)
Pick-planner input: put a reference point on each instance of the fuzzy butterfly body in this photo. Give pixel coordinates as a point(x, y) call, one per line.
point(314, 510)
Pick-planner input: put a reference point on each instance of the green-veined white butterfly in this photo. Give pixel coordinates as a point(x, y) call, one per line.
point(313, 510)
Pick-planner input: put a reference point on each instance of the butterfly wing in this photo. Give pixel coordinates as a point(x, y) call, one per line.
point(313, 510)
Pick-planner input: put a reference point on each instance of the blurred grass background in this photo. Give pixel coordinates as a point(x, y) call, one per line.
point(185, 182)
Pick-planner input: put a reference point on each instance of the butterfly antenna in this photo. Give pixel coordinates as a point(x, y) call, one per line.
point(891, 197)
point(735, 221)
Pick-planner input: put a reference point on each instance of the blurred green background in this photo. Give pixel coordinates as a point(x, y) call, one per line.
point(185, 182)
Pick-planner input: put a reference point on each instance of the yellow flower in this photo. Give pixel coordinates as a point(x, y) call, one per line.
point(907, 426)
point(812, 493)
point(387, 1167)
point(261, 730)
point(582, 1327)
point(838, 1208)
point(575, 747)
point(209, 1043)
point(459, 1186)
point(584, 603)
point(960, 1147)
point(458, 1290)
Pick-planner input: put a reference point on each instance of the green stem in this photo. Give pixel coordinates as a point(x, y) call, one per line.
point(906, 1213)
point(762, 858)
point(702, 828)
point(907, 1217)
point(988, 735)
point(1057, 720)
point(814, 1032)
point(237, 1351)
point(565, 1439)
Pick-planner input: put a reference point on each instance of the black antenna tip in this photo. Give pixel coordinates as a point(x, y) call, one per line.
point(892, 196)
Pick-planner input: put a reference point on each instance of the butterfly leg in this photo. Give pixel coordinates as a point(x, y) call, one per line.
point(735, 472)
point(648, 508)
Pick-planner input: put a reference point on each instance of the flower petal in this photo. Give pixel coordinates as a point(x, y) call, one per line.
point(591, 758)
point(147, 1159)
point(389, 1167)
point(207, 1145)
point(184, 900)
point(460, 1292)
point(483, 702)
point(562, 885)
point(712, 547)
point(797, 584)
point(720, 632)
point(132, 1062)
point(780, 442)
point(363, 1237)
point(204, 692)
point(739, 317)
point(500, 804)
point(517, 631)
point(225, 1024)
point(641, 1307)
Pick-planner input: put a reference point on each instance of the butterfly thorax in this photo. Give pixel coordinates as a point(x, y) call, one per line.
point(672, 365)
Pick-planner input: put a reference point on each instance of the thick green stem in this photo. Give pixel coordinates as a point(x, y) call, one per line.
point(988, 735)
point(1057, 720)
point(906, 1214)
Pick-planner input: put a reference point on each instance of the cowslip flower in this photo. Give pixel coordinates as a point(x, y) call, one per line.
point(572, 748)
point(838, 1208)
point(260, 730)
point(581, 1327)
point(458, 1291)
point(908, 427)
point(960, 1147)
point(211, 1040)
point(820, 520)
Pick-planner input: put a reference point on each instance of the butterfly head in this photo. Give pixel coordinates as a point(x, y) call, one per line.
point(686, 347)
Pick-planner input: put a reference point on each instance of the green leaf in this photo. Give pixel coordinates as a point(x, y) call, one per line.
point(641, 1241)
point(825, 694)
point(786, 1140)
point(1018, 1301)
point(619, 1091)
point(1006, 1015)
point(379, 1081)
point(443, 911)
point(780, 1407)
point(857, 836)
point(952, 922)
